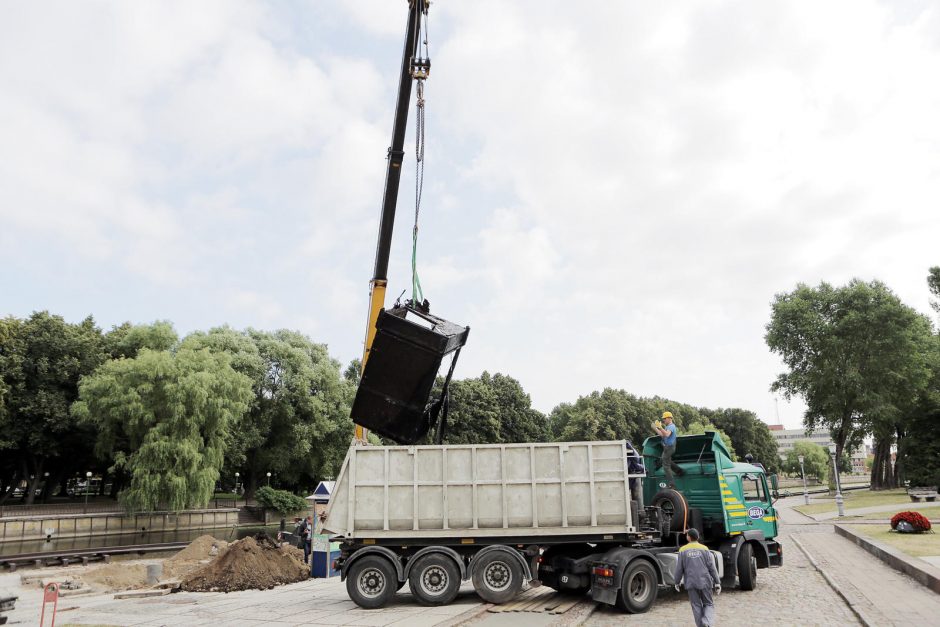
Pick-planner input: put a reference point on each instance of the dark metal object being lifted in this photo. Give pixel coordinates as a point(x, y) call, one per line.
point(394, 396)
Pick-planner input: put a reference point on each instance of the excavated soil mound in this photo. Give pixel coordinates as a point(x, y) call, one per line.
point(201, 549)
point(250, 563)
point(117, 576)
point(193, 556)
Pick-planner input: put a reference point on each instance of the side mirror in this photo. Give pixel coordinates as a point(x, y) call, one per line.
point(774, 487)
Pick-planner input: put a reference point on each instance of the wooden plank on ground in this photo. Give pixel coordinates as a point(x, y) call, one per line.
point(567, 605)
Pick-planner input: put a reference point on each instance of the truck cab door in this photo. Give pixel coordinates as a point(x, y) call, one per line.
point(760, 511)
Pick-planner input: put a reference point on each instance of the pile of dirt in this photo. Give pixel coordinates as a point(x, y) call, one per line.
point(194, 556)
point(117, 576)
point(202, 548)
point(251, 563)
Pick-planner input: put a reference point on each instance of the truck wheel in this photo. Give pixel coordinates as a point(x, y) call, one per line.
point(434, 579)
point(371, 582)
point(747, 567)
point(639, 589)
point(672, 503)
point(497, 578)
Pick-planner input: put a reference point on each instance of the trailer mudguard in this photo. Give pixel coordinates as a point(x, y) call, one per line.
point(526, 571)
point(620, 557)
point(449, 552)
point(375, 550)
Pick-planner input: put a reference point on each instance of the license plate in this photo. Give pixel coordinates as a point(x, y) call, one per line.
point(607, 582)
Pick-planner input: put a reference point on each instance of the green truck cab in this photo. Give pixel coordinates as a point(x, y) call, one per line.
point(730, 503)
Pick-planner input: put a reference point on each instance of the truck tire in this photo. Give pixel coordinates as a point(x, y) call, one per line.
point(672, 502)
point(434, 579)
point(371, 582)
point(747, 567)
point(497, 578)
point(639, 588)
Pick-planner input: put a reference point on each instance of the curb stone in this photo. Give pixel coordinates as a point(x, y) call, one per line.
point(859, 613)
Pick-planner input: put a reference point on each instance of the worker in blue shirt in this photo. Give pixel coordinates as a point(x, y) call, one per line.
point(667, 430)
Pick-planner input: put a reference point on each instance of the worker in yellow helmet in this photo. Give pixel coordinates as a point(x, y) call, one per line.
point(667, 430)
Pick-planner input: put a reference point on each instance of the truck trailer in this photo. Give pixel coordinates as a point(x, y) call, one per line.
point(586, 517)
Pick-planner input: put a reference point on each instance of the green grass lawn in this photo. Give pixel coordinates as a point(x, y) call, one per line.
point(856, 499)
point(916, 544)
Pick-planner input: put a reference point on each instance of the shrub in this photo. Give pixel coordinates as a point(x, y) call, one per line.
point(917, 521)
point(280, 501)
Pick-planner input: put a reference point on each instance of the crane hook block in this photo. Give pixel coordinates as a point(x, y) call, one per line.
point(394, 394)
point(420, 68)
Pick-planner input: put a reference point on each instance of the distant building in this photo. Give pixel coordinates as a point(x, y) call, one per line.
point(786, 438)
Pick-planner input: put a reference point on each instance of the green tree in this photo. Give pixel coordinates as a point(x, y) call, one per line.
point(815, 462)
point(164, 418)
point(492, 409)
point(856, 354)
point(748, 433)
point(127, 340)
point(283, 502)
point(41, 361)
point(700, 428)
point(933, 284)
point(298, 425)
point(920, 455)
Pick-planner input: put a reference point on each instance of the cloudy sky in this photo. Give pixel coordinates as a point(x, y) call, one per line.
point(612, 198)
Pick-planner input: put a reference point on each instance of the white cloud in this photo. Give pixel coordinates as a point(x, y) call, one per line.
point(613, 196)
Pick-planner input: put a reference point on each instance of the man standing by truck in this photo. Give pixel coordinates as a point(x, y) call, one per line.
point(697, 565)
point(667, 430)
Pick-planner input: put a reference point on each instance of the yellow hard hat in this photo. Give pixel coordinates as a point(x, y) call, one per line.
point(667, 414)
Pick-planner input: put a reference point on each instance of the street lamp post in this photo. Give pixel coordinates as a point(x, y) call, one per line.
point(803, 474)
point(269, 480)
point(235, 489)
point(87, 486)
point(835, 468)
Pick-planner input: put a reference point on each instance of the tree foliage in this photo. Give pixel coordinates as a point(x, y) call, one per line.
point(42, 359)
point(283, 502)
point(164, 418)
point(297, 425)
point(749, 435)
point(492, 409)
point(815, 462)
point(933, 284)
point(616, 414)
point(857, 356)
point(127, 340)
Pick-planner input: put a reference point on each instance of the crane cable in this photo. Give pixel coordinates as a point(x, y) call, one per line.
point(417, 294)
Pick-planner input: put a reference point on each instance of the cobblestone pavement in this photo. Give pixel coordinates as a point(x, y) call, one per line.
point(795, 594)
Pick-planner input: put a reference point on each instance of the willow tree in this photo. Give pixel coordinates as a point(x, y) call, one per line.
point(165, 420)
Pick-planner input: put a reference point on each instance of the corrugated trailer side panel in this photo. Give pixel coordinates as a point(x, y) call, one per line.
point(497, 489)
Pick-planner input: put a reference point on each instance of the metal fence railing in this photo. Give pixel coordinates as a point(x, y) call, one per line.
point(62, 508)
point(103, 506)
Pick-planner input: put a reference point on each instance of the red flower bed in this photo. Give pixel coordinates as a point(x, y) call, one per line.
point(917, 521)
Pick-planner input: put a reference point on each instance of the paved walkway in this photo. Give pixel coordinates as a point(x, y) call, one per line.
point(312, 602)
point(879, 593)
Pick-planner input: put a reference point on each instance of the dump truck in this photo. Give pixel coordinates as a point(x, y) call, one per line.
point(569, 515)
